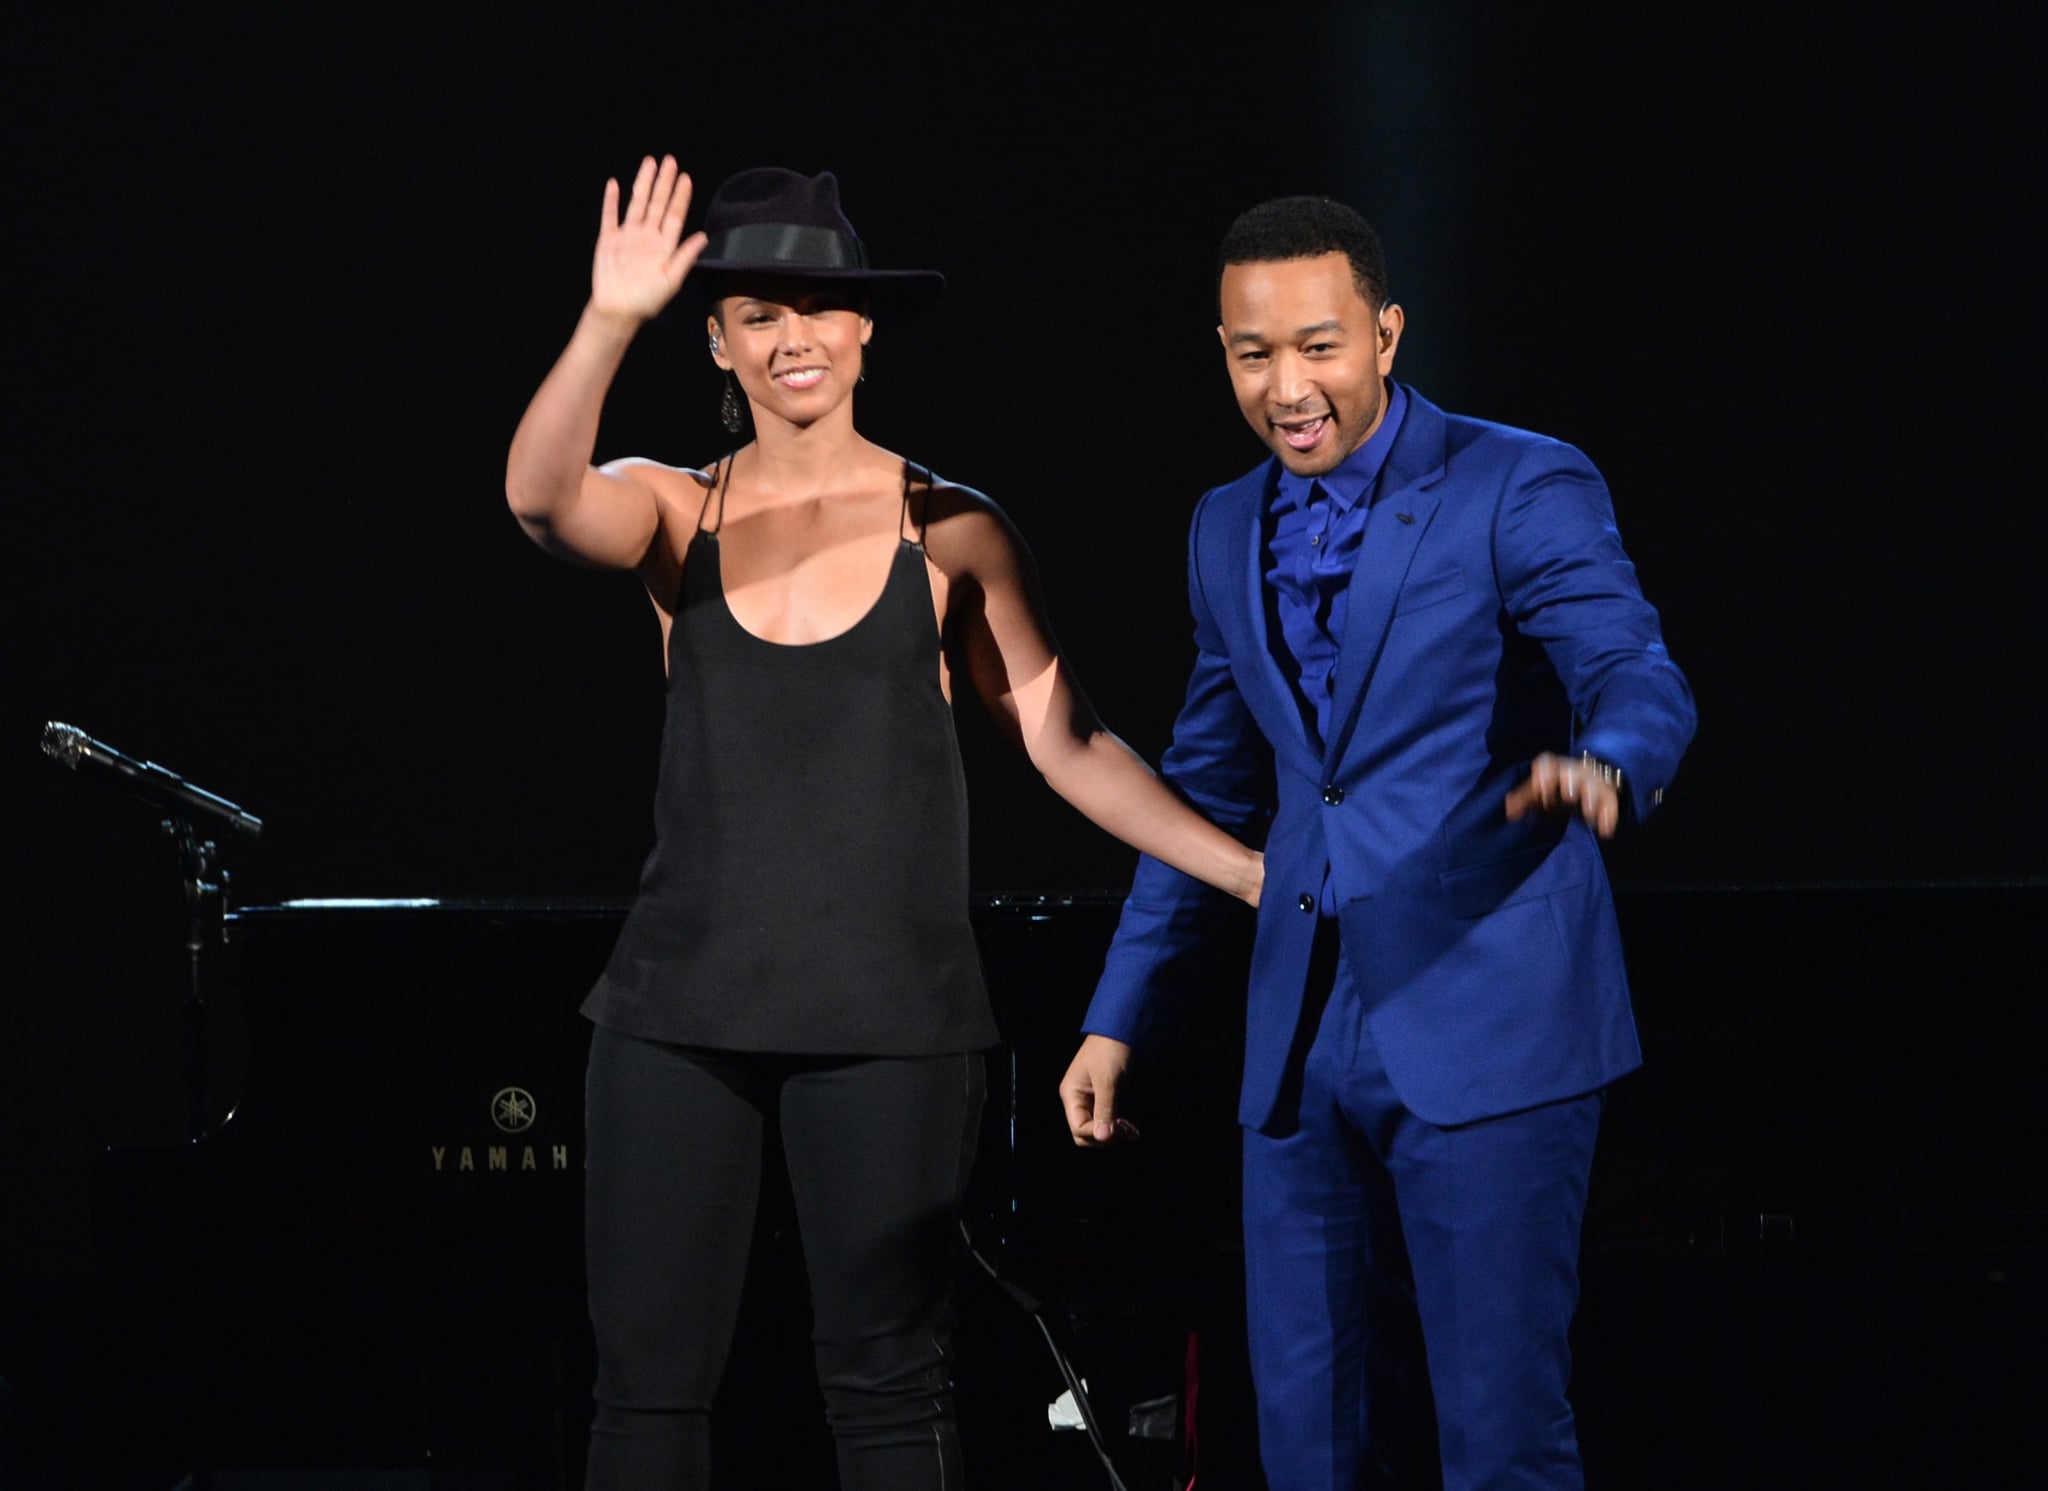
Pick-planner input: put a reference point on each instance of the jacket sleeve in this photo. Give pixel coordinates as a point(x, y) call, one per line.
point(1569, 586)
point(1221, 763)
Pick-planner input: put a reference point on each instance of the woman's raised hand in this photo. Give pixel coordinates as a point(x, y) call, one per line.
point(642, 256)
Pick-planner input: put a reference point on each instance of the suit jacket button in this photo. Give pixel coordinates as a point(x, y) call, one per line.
point(1333, 794)
point(1307, 903)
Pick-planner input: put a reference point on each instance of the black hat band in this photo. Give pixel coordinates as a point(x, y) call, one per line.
point(796, 245)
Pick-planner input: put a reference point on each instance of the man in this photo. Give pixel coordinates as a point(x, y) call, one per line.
point(1427, 676)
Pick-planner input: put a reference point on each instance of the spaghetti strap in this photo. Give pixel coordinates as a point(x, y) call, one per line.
point(924, 509)
point(718, 484)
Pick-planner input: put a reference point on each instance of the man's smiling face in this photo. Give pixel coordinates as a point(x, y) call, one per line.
point(1308, 357)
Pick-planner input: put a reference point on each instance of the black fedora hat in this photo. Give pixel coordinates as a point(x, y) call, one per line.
point(774, 222)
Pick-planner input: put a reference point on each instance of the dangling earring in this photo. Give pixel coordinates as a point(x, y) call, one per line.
point(729, 407)
point(863, 366)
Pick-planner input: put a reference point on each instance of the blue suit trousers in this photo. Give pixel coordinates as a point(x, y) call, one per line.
point(1361, 1221)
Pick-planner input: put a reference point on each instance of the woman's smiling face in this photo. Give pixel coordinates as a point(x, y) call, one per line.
point(795, 346)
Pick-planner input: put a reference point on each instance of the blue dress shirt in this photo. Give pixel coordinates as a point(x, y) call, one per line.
point(1314, 527)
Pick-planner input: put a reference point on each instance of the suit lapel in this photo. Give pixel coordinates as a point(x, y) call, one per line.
point(1242, 579)
point(1402, 510)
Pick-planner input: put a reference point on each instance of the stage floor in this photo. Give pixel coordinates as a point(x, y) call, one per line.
point(1698, 1367)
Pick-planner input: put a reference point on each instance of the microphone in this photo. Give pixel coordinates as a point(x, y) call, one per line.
point(148, 781)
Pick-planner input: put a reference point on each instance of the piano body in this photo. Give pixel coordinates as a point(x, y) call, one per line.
point(376, 1262)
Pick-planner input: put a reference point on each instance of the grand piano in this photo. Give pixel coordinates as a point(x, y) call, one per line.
point(1827, 1176)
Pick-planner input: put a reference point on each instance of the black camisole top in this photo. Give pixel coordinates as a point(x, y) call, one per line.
point(807, 891)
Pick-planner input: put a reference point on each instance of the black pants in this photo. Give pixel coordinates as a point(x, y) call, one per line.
point(878, 1151)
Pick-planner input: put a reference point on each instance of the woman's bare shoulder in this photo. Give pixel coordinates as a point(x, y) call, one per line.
point(664, 478)
point(679, 491)
point(965, 528)
point(948, 503)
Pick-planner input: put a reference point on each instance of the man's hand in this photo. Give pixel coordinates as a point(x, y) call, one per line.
point(642, 256)
point(1089, 1091)
point(1563, 785)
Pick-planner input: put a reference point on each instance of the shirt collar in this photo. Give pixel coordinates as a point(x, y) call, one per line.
point(1353, 479)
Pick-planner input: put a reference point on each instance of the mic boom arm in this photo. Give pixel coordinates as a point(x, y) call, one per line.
point(152, 783)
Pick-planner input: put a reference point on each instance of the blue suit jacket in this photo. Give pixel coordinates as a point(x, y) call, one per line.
point(1492, 615)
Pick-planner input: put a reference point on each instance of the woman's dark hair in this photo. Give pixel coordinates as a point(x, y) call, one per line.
point(1306, 228)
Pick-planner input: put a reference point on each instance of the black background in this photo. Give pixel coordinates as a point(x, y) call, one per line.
point(284, 280)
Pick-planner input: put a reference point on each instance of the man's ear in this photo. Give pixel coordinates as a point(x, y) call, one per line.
point(1391, 322)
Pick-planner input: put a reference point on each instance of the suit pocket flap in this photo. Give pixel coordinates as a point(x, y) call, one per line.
point(1441, 586)
point(1478, 889)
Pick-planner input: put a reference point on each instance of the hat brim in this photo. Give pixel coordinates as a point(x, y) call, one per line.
point(892, 294)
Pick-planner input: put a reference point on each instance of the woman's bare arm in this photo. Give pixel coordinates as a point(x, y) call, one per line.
point(998, 620)
point(604, 516)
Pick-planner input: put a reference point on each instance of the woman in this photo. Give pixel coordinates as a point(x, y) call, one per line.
point(798, 959)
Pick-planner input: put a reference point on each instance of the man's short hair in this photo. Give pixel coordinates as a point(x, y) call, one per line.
point(1306, 228)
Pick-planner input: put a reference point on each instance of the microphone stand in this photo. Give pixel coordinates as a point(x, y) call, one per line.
point(205, 883)
point(206, 902)
point(179, 1300)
